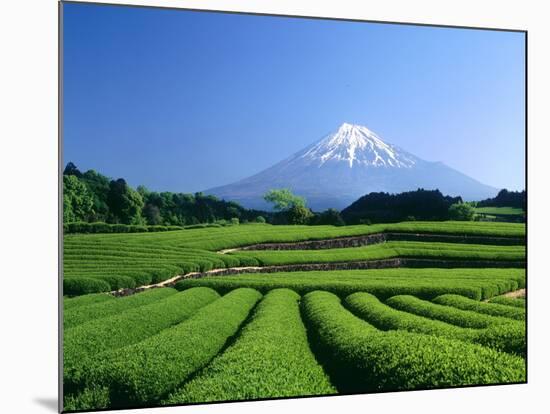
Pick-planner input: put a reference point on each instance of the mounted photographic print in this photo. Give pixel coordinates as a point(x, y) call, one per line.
point(260, 206)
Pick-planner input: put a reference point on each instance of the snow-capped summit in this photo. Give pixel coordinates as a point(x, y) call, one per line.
point(356, 144)
point(347, 164)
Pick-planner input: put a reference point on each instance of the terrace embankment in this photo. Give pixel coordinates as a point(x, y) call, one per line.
point(365, 240)
point(368, 264)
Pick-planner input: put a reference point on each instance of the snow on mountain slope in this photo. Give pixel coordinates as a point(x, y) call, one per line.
point(356, 144)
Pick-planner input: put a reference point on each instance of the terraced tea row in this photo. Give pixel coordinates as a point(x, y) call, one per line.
point(494, 309)
point(105, 262)
point(195, 346)
point(447, 251)
point(424, 283)
point(82, 314)
point(503, 300)
point(214, 239)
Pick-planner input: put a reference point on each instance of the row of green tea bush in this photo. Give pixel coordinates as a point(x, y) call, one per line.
point(452, 315)
point(384, 283)
point(142, 373)
point(507, 337)
point(271, 358)
point(424, 250)
point(82, 314)
point(361, 358)
point(373, 347)
point(84, 341)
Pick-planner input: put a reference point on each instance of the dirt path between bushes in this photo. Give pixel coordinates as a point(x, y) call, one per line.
point(520, 293)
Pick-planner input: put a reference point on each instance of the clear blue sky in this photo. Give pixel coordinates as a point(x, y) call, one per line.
point(184, 101)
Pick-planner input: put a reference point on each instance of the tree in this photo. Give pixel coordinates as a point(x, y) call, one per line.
point(125, 203)
point(283, 199)
point(71, 169)
point(143, 191)
point(152, 214)
point(329, 217)
point(259, 219)
point(99, 188)
point(299, 214)
point(78, 202)
point(461, 211)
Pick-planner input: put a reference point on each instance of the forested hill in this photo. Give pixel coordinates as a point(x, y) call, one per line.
point(92, 197)
point(506, 198)
point(411, 205)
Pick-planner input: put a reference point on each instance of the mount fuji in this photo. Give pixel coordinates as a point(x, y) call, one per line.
point(347, 164)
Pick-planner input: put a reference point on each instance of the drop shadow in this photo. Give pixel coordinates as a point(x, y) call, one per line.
point(49, 403)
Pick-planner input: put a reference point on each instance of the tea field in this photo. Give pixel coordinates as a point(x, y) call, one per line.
point(272, 326)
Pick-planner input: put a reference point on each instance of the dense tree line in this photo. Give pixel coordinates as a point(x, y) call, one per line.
point(506, 198)
point(93, 197)
point(412, 205)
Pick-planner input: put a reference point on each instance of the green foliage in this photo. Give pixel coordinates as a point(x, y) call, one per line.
point(87, 399)
point(152, 214)
point(82, 314)
point(505, 198)
point(71, 169)
point(503, 300)
point(330, 217)
point(74, 286)
point(360, 358)
point(144, 372)
point(504, 211)
point(270, 358)
point(509, 338)
point(461, 212)
point(125, 203)
point(98, 185)
point(84, 342)
point(118, 282)
point(160, 255)
point(493, 309)
point(385, 318)
point(384, 207)
point(78, 202)
point(458, 317)
point(234, 220)
point(69, 303)
point(383, 283)
point(298, 214)
point(100, 227)
point(501, 337)
point(426, 250)
point(259, 219)
point(283, 199)
point(165, 347)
